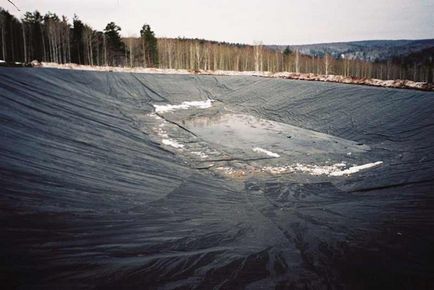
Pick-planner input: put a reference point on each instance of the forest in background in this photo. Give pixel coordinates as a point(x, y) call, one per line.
point(50, 38)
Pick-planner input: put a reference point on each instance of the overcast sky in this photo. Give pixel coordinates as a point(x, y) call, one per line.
point(246, 21)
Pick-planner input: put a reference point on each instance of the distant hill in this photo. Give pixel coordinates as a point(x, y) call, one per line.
point(371, 50)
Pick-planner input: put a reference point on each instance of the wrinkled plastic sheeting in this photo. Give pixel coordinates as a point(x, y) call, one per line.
point(90, 200)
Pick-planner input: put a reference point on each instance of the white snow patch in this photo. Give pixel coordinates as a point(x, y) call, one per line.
point(231, 171)
point(285, 75)
point(342, 164)
point(316, 170)
point(185, 105)
point(162, 133)
point(173, 143)
point(200, 154)
point(159, 130)
point(355, 169)
point(269, 153)
point(148, 70)
point(277, 169)
point(225, 169)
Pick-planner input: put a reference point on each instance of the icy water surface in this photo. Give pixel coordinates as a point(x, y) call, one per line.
point(245, 132)
point(242, 146)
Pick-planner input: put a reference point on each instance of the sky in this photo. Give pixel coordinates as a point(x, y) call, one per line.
point(249, 21)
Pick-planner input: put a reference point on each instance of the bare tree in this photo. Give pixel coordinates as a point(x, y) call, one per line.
point(258, 56)
point(130, 48)
point(297, 61)
point(105, 49)
point(327, 59)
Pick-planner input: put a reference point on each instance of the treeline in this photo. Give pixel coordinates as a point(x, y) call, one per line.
point(51, 38)
point(200, 54)
point(417, 65)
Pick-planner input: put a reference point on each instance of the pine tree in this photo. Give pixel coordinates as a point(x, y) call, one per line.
point(287, 51)
point(11, 41)
point(35, 31)
point(115, 47)
point(77, 55)
point(150, 50)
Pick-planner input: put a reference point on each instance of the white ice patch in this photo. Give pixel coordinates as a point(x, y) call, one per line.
point(173, 143)
point(269, 153)
point(277, 169)
point(316, 170)
point(162, 133)
point(183, 106)
point(231, 171)
point(355, 169)
point(200, 154)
